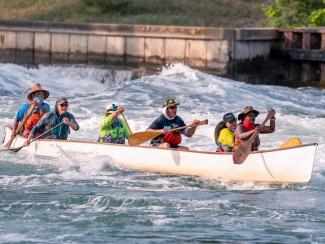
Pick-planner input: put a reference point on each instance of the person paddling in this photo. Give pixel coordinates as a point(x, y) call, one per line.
point(54, 118)
point(113, 129)
point(169, 119)
point(224, 133)
point(30, 112)
point(247, 127)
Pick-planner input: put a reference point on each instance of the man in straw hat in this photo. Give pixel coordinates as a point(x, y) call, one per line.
point(169, 119)
point(247, 127)
point(35, 96)
point(113, 129)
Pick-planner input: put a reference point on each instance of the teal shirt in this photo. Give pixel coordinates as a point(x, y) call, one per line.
point(117, 129)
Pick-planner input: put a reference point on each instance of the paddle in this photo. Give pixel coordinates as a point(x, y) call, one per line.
point(291, 142)
point(21, 124)
point(244, 149)
point(141, 137)
point(126, 123)
point(17, 149)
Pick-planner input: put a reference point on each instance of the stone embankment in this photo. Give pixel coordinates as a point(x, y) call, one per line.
point(213, 49)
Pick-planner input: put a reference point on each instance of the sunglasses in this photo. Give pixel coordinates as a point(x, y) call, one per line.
point(232, 121)
point(64, 105)
point(173, 107)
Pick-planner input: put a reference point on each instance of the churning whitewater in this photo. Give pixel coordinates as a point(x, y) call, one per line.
point(84, 199)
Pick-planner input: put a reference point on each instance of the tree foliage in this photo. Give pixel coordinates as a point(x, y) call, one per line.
point(296, 13)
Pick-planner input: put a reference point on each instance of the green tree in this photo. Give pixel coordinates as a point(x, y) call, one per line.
point(296, 13)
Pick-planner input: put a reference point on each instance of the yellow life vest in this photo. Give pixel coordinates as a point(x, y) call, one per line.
point(227, 137)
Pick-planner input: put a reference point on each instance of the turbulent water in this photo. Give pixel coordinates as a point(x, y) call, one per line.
point(78, 199)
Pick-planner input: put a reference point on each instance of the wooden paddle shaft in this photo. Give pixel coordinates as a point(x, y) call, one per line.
point(21, 124)
point(202, 122)
point(23, 121)
point(141, 137)
point(34, 139)
point(126, 123)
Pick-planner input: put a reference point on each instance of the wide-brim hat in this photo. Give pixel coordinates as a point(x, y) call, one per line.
point(35, 88)
point(246, 110)
point(170, 102)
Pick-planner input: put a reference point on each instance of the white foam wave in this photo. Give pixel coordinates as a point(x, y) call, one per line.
point(18, 237)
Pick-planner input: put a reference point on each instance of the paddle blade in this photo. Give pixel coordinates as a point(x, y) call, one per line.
point(291, 142)
point(16, 149)
point(141, 137)
point(241, 153)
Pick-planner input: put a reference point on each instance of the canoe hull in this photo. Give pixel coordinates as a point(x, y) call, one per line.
point(290, 165)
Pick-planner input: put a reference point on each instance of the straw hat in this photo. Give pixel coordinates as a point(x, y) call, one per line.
point(246, 110)
point(35, 88)
point(170, 102)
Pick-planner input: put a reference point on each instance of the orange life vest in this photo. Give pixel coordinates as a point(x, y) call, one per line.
point(172, 138)
point(31, 122)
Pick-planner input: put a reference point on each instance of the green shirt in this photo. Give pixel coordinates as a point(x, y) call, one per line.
point(117, 129)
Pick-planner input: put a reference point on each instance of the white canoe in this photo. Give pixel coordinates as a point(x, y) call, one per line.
point(280, 165)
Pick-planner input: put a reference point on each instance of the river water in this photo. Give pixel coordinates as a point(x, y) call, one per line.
point(78, 199)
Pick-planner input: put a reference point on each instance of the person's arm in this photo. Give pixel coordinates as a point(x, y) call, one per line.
point(71, 122)
point(117, 112)
point(191, 130)
point(30, 136)
point(14, 127)
point(242, 134)
point(106, 122)
point(271, 127)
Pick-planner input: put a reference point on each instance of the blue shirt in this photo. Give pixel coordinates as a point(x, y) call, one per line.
point(162, 122)
point(24, 108)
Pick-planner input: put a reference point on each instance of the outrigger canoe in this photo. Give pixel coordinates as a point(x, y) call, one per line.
point(279, 165)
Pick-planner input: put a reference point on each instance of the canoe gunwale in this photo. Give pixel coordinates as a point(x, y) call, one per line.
point(169, 149)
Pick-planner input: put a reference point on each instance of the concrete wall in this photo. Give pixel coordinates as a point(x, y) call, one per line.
point(212, 49)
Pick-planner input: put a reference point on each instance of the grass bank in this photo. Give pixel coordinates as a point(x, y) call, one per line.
point(217, 13)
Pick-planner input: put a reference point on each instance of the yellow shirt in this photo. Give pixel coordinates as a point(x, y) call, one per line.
point(227, 137)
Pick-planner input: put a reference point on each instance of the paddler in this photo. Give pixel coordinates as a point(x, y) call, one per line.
point(224, 133)
point(247, 127)
point(54, 118)
point(113, 129)
point(167, 120)
point(30, 112)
